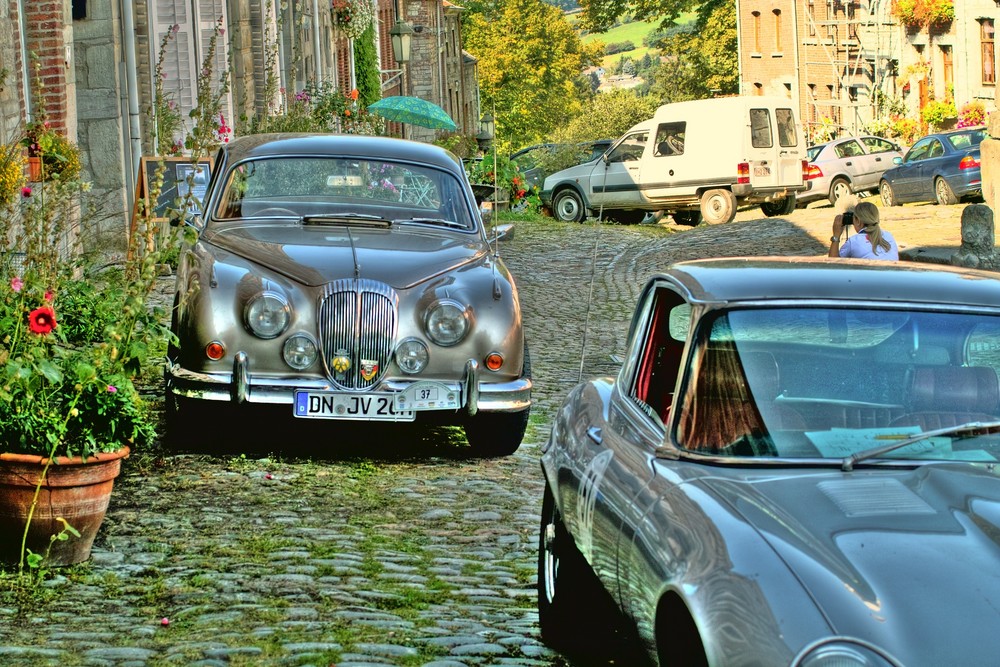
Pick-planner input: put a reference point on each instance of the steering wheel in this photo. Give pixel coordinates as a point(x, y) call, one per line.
point(676, 144)
point(275, 210)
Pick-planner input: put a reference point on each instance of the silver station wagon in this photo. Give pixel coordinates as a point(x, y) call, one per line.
point(348, 278)
point(797, 464)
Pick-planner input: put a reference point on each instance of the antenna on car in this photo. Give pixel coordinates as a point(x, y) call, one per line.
point(593, 276)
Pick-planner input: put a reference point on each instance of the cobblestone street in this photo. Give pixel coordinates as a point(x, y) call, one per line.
point(320, 545)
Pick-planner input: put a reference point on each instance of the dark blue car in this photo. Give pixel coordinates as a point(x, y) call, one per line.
point(941, 167)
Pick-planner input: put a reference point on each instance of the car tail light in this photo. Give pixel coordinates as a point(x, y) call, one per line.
point(810, 171)
point(968, 162)
point(743, 173)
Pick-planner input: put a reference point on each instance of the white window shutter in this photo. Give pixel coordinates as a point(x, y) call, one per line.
point(210, 12)
point(178, 62)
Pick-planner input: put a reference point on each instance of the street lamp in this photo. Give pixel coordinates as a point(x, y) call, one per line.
point(486, 128)
point(401, 34)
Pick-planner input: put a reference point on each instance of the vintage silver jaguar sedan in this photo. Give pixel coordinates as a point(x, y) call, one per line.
point(350, 278)
point(796, 465)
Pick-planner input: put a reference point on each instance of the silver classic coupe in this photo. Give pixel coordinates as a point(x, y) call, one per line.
point(796, 465)
point(348, 278)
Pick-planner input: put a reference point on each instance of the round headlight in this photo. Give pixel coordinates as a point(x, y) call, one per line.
point(299, 351)
point(266, 315)
point(411, 356)
point(447, 323)
point(841, 653)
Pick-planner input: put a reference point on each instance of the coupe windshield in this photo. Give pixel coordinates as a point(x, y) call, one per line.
point(320, 187)
point(830, 383)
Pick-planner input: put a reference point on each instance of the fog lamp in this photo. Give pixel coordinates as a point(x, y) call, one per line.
point(299, 351)
point(411, 356)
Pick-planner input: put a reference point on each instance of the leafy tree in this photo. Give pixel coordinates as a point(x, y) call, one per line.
point(530, 65)
point(698, 58)
point(607, 116)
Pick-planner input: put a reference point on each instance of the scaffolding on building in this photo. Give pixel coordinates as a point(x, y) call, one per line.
point(859, 66)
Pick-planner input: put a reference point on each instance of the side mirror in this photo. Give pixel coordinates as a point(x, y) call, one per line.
point(897, 160)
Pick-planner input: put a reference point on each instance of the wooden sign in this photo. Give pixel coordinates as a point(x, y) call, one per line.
point(183, 181)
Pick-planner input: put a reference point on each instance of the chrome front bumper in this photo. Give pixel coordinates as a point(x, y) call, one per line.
point(241, 386)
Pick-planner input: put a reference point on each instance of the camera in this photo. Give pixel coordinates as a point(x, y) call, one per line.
point(847, 218)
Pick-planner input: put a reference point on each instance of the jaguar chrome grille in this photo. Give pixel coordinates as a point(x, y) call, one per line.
point(357, 329)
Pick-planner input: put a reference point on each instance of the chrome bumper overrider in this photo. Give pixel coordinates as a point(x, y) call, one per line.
point(241, 386)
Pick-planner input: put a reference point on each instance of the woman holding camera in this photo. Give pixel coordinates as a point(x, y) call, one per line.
point(870, 240)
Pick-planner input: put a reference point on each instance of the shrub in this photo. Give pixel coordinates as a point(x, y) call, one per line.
point(938, 112)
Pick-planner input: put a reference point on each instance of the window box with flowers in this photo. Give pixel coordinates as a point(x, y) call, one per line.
point(352, 16)
point(74, 340)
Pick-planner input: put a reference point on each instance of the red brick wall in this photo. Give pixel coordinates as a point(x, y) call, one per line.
point(45, 36)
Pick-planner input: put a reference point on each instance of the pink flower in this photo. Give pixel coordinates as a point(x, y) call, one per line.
point(112, 389)
point(49, 295)
point(176, 27)
point(164, 621)
point(16, 284)
point(26, 191)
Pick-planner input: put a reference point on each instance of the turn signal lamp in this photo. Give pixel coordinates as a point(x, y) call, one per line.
point(215, 350)
point(494, 360)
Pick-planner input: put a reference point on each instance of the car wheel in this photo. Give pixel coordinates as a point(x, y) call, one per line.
point(783, 206)
point(566, 585)
point(943, 193)
point(568, 206)
point(839, 188)
point(690, 218)
point(718, 205)
point(888, 196)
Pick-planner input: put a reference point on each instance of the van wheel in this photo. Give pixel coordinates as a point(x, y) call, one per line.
point(718, 205)
point(784, 206)
point(943, 193)
point(690, 218)
point(624, 217)
point(888, 196)
point(568, 206)
point(839, 188)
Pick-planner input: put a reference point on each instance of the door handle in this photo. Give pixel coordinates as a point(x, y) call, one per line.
point(594, 434)
point(848, 164)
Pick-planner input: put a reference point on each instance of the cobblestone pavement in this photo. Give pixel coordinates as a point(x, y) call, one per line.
point(318, 544)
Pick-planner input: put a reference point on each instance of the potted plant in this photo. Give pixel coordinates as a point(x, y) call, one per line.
point(50, 154)
point(73, 341)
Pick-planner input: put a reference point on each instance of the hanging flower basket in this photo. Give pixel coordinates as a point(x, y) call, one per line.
point(352, 16)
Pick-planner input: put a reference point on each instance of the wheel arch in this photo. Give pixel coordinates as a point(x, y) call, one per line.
point(571, 185)
point(675, 621)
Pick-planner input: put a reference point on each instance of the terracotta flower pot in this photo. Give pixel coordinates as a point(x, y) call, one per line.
point(34, 169)
point(76, 491)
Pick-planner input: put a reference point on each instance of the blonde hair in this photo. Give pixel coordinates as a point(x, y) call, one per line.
point(867, 214)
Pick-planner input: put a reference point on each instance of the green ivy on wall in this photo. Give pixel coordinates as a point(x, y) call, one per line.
point(366, 69)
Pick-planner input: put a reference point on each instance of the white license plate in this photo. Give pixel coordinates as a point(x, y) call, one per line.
point(761, 171)
point(428, 396)
point(347, 405)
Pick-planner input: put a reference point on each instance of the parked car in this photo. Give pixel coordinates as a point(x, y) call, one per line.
point(847, 165)
point(941, 167)
point(348, 278)
point(531, 160)
point(796, 465)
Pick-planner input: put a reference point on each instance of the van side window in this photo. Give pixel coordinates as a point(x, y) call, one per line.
point(669, 139)
point(786, 128)
point(760, 128)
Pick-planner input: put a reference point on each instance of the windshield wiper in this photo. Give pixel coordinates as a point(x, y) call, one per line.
point(431, 221)
point(339, 218)
point(848, 462)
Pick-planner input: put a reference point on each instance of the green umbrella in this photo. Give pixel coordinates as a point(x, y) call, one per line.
point(414, 111)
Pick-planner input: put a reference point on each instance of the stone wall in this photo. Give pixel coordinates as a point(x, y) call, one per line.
point(10, 66)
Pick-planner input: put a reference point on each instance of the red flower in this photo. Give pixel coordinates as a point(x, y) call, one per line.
point(347, 112)
point(42, 320)
point(354, 94)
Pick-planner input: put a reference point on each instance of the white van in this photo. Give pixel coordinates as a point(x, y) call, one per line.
point(693, 160)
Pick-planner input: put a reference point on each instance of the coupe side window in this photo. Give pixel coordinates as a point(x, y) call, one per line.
point(660, 358)
point(919, 151)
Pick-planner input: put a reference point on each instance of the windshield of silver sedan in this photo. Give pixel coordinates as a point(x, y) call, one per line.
point(827, 383)
point(340, 190)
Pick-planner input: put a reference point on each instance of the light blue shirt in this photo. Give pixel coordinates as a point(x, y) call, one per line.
point(860, 247)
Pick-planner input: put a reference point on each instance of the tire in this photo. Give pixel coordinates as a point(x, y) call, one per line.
point(887, 195)
point(839, 188)
point(567, 206)
point(784, 206)
point(566, 585)
point(689, 218)
point(943, 193)
point(495, 434)
point(718, 205)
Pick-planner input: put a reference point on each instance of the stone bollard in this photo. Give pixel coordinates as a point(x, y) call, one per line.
point(978, 249)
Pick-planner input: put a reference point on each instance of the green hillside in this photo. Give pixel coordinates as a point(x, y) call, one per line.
point(633, 31)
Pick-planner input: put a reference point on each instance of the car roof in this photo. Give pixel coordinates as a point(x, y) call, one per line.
point(347, 145)
point(730, 280)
